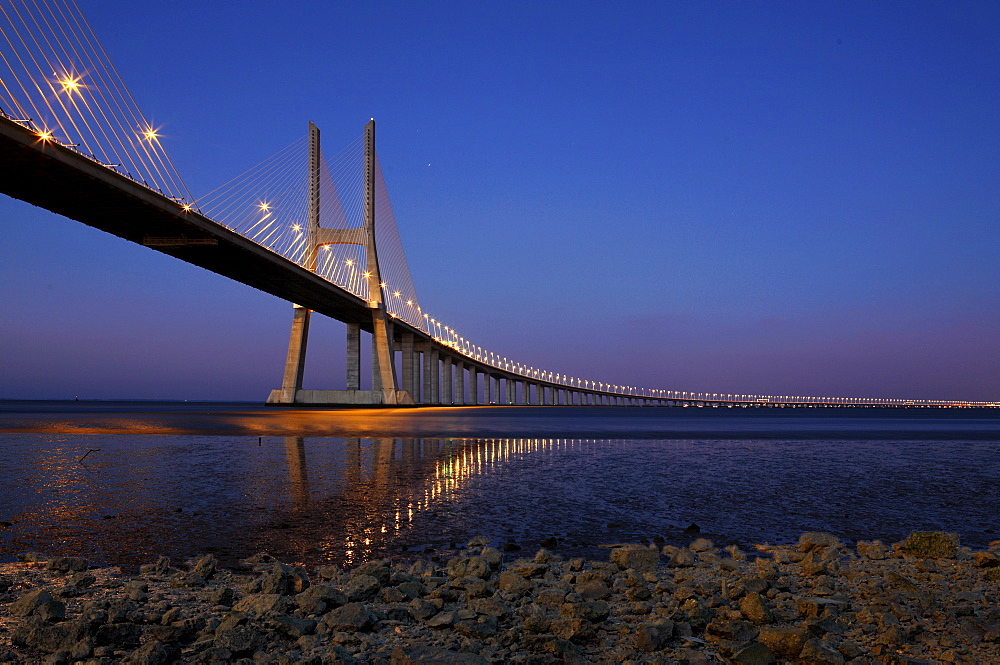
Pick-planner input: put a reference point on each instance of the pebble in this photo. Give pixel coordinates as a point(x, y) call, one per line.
point(924, 600)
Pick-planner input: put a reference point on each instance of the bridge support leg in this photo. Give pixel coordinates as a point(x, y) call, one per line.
point(434, 370)
point(295, 362)
point(459, 382)
point(407, 363)
point(473, 385)
point(446, 392)
point(353, 356)
point(383, 368)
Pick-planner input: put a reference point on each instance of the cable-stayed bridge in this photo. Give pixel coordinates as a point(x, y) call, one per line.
point(308, 227)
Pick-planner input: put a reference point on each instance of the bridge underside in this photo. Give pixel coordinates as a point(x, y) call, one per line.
point(68, 183)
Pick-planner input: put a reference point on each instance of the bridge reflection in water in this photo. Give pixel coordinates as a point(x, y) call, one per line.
point(390, 493)
point(310, 500)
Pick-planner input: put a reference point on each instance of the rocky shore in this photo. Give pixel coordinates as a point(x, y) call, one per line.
point(924, 600)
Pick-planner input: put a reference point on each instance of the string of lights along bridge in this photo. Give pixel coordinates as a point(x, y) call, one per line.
point(315, 229)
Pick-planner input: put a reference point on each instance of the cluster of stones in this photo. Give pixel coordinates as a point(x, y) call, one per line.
point(923, 600)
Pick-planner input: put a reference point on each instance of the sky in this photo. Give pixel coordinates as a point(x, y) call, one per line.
point(777, 198)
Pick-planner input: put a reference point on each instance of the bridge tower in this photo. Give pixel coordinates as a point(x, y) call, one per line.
point(385, 387)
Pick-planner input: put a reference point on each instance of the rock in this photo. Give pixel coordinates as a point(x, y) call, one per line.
point(816, 540)
point(29, 602)
point(931, 544)
point(119, 635)
point(527, 569)
point(470, 566)
point(49, 638)
point(701, 545)
point(812, 606)
point(573, 630)
point(320, 598)
point(755, 653)
point(735, 630)
point(594, 610)
point(420, 609)
point(589, 590)
point(513, 583)
point(350, 618)
point(182, 580)
point(429, 654)
point(205, 567)
point(545, 556)
point(986, 559)
point(639, 558)
point(479, 629)
point(785, 642)
point(441, 620)
point(65, 564)
point(153, 653)
point(380, 570)
point(220, 596)
point(754, 608)
point(874, 550)
point(489, 607)
point(683, 558)
point(240, 639)
point(654, 636)
point(820, 653)
point(260, 604)
point(32, 557)
point(161, 567)
point(51, 611)
point(292, 627)
point(285, 580)
point(361, 588)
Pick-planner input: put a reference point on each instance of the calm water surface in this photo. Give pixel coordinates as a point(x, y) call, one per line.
point(123, 482)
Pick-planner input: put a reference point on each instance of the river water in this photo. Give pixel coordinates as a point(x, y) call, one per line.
point(122, 482)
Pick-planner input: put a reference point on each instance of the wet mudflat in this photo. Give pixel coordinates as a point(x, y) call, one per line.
point(319, 487)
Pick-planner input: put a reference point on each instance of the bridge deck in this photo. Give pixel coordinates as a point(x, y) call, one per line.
point(63, 181)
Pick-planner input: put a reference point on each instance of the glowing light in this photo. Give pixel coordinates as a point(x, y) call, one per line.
point(186, 207)
point(297, 227)
point(382, 284)
point(367, 274)
point(409, 302)
point(150, 134)
point(45, 136)
point(70, 84)
point(264, 206)
point(395, 294)
point(349, 262)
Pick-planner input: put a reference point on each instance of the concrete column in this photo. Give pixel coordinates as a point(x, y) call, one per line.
point(488, 389)
point(407, 364)
point(295, 362)
point(459, 382)
point(426, 353)
point(511, 391)
point(433, 369)
point(353, 356)
point(473, 385)
point(446, 394)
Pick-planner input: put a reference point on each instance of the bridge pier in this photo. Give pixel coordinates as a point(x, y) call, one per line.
point(459, 382)
point(446, 391)
point(473, 386)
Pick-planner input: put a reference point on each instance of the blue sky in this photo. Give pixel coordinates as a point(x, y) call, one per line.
point(782, 198)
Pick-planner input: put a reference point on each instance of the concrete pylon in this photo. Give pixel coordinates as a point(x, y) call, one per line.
point(384, 382)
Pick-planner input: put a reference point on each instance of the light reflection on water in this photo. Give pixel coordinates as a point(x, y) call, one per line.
point(343, 500)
